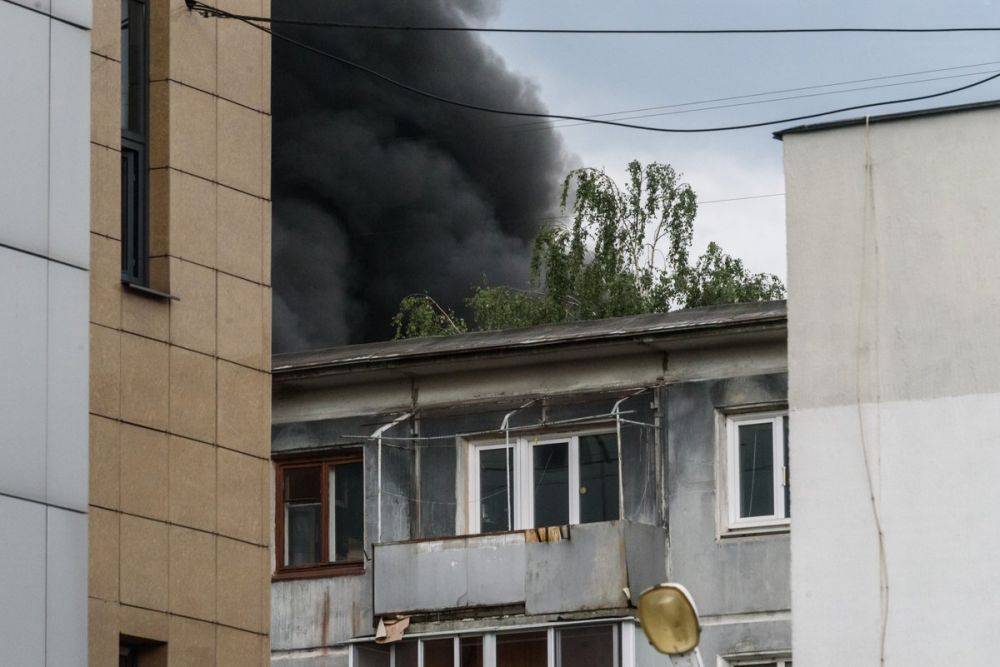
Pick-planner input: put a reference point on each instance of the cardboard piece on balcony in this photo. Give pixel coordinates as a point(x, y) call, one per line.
point(391, 630)
point(546, 534)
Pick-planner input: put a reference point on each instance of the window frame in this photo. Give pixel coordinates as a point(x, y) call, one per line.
point(523, 501)
point(779, 519)
point(327, 568)
point(135, 163)
point(622, 633)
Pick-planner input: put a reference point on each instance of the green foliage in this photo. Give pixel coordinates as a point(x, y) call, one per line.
point(421, 315)
point(719, 278)
point(624, 251)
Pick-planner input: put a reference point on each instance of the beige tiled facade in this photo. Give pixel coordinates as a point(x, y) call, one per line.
point(180, 479)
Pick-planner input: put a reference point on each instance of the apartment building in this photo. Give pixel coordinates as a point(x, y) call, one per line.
point(894, 372)
point(179, 336)
point(502, 498)
point(44, 264)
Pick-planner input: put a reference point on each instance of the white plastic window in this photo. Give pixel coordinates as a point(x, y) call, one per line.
point(757, 470)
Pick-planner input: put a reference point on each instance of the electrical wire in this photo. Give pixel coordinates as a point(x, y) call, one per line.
point(770, 92)
point(210, 11)
point(720, 201)
point(546, 124)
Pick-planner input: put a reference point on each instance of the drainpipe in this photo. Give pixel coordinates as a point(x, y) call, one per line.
point(507, 454)
point(505, 425)
point(378, 435)
point(616, 411)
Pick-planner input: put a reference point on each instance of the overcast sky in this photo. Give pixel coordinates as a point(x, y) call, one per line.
point(584, 75)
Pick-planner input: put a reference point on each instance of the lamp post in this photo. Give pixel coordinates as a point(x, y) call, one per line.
point(668, 617)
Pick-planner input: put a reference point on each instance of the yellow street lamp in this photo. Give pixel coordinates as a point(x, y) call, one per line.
point(668, 617)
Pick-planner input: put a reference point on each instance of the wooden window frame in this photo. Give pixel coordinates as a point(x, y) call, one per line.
point(326, 568)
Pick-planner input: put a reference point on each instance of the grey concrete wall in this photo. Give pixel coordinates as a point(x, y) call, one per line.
point(311, 613)
point(331, 657)
point(894, 367)
point(731, 575)
point(740, 640)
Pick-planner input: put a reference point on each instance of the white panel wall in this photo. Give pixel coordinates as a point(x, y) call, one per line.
point(23, 360)
point(66, 588)
point(69, 145)
point(67, 387)
point(22, 582)
point(77, 12)
point(44, 283)
point(894, 314)
point(24, 128)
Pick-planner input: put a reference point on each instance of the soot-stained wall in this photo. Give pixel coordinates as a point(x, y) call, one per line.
point(730, 574)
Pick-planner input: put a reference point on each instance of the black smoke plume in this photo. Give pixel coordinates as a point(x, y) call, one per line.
point(379, 193)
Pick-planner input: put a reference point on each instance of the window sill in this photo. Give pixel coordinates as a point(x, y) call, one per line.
point(764, 529)
point(319, 571)
point(148, 291)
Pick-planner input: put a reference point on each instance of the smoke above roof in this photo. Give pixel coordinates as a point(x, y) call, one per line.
point(379, 193)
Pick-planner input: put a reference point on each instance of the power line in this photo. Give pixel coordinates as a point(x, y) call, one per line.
point(774, 92)
point(783, 99)
point(720, 201)
point(210, 11)
point(535, 125)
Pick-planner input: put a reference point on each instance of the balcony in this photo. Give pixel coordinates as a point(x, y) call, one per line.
point(534, 572)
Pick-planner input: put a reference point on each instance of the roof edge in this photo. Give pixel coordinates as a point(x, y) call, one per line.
point(882, 118)
point(713, 318)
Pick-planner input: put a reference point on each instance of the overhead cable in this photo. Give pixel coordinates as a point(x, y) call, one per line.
point(343, 25)
point(209, 11)
point(772, 92)
point(546, 124)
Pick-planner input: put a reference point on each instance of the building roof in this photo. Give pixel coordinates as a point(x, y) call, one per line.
point(479, 343)
point(861, 120)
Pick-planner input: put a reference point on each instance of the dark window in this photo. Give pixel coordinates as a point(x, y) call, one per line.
point(551, 484)
point(135, 141)
point(591, 645)
point(786, 482)
point(138, 652)
point(598, 478)
point(320, 524)
point(439, 652)
point(406, 654)
point(756, 452)
point(471, 649)
point(496, 476)
point(303, 515)
point(374, 655)
point(521, 650)
point(128, 656)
